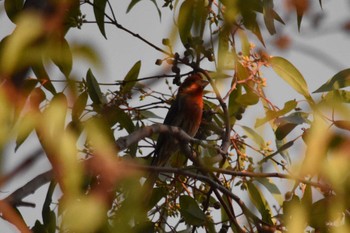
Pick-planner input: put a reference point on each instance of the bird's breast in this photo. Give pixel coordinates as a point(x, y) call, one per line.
point(192, 110)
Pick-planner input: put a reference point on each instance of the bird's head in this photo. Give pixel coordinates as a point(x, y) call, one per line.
point(193, 85)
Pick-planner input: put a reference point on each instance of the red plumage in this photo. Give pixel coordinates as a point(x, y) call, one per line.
point(186, 113)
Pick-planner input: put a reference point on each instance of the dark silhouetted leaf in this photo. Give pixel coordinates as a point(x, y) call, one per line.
point(259, 202)
point(99, 11)
point(43, 77)
point(61, 55)
point(12, 8)
point(94, 89)
point(338, 81)
point(134, 2)
point(283, 130)
point(271, 187)
point(79, 106)
point(131, 78)
point(250, 22)
point(282, 148)
point(46, 211)
point(269, 16)
point(288, 123)
point(289, 205)
point(115, 115)
point(319, 213)
point(191, 212)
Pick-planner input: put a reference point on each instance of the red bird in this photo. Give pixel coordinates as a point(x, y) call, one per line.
point(185, 113)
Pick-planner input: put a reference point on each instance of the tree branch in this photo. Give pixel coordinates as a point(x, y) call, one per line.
point(25, 164)
point(15, 198)
point(124, 142)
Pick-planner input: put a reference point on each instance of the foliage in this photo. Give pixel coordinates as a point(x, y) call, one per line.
point(229, 183)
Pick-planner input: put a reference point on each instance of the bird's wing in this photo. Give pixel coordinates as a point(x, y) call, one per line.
point(172, 113)
point(171, 119)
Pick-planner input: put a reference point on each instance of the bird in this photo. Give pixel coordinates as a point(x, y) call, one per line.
point(186, 113)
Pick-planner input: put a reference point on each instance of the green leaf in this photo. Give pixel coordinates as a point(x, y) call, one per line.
point(21, 48)
point(288, 123)
point(12, 8)
point(299, 19)
point(191, 212)
point(223, 48)
point(319, 212)
point(61, 55)
point(185, 20)
point(339, 80)
point(99, 11)
point(282, 148)
point(255, 136)
point(26, 124)
point(38, 227)
point(134, 2)
point(244, 43)
point(289, 73)
point(158, 9)
point(249, 98)
point(289, 205)
point(48, 200)
point(250, 22)
point(157, 195)
point(233, 106)
point(200, 13)
point(283, 130)
point(259, 201)
point(295, 118)
point(271, 187)
point(79, 106)
point(131, 78)
point(94, 89)
point(115, 115)
point(337, 95)
point(306, 200)
point(270, 115)
point(269, 16)
point(43, 77)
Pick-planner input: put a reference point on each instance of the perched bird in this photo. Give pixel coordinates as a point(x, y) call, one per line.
point(185, 113)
